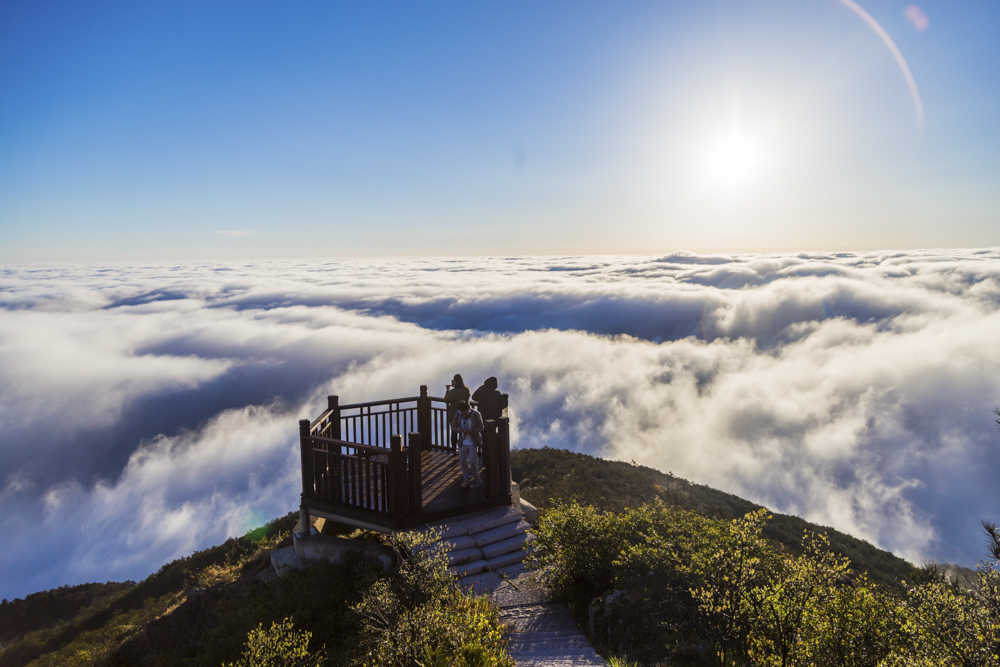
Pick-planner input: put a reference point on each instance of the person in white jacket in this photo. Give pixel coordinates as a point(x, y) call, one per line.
point(468, 424)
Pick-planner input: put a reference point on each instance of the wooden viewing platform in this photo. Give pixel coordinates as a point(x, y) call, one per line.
point(357, 471)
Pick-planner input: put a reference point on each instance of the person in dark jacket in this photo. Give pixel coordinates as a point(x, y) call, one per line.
point(468, 425)
point(489, 399)
point(456, 393)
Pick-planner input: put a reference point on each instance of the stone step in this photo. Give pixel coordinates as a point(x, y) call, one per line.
point(464, 556)
point(465, 569)
point(477, 523)
point(509, 571)
point(554, 654)
point(509, 558)
point(458, 543)
point(448, 529)
point(487, 582)
point(492, 519)
point(563, 644)
point(570, 657)
point(514, 543)
point(500, 533)
point(584, 661)
point(545, 635)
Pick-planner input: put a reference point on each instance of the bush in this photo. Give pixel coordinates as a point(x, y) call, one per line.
point(418, 616)
point(708, 591)
point(650, 558)
point(951, 626)
point(281, 645)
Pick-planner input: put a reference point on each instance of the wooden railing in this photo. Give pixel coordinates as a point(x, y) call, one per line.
point(353, 455)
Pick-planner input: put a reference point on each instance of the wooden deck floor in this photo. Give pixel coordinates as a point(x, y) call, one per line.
point(442, 482)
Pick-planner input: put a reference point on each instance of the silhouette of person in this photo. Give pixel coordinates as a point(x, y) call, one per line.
point(456, 393)
point(489, 400)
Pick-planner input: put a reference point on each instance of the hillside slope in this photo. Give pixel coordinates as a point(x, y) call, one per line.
point(197, 610)
point(549, 476)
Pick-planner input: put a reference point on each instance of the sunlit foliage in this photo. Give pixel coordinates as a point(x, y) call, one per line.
point(657, 584)
point(280, 645)
point(417, 615)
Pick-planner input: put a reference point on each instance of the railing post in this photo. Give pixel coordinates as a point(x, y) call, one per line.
point(416, 477)
point(305, 447)
point(333, 404)
point(305, 444)
point(424, 426)
point(503, 451)
point(490, 458)
point(397, 478)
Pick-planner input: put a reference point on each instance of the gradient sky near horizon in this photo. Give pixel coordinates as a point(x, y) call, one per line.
point(194, 131)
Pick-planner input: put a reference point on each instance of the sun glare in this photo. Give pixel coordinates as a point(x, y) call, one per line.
point(734, 160)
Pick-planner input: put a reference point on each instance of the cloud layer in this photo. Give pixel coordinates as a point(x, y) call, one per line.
point(150, 411)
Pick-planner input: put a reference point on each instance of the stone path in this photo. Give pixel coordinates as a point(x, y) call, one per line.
point(544, 634)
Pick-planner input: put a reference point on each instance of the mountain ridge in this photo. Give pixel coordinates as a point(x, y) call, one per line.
point(113, 619)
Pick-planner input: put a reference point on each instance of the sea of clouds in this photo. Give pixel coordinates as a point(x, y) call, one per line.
point(150, 411)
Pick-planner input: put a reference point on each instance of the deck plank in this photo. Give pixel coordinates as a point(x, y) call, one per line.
point(442, 482)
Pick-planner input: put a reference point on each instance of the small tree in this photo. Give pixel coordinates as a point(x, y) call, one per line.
point(281, 645)
point(951, 625)
point(418, 616)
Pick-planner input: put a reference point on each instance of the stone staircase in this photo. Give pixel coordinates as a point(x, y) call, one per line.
point(541, 632)
point(485, 548)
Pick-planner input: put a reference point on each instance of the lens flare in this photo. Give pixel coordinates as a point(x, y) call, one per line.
point(907, 74)
point(917, 18)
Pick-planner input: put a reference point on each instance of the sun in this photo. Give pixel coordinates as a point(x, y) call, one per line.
point(733, 160)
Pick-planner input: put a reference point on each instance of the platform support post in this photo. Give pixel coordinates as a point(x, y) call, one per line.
point(490, 458)
point(416, 476)
point(503, 454)
point(398, 490)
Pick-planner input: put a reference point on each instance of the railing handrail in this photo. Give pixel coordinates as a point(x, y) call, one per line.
point(387, 401)
point(390, 401)
point(348, 443)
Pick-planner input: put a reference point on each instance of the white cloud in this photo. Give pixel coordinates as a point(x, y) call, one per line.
point(151, 410)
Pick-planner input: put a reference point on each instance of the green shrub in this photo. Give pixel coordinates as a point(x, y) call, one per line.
point(709, 591)
point(650, 557)
point(281, 645)
point(319, 599)
point(417, 615)
point(951, 626)
point(857, 626)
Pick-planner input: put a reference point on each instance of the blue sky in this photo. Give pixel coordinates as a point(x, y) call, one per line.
point(139, 131)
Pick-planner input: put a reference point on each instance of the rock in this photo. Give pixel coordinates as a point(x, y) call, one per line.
point(285, 560)
point(529, 511)
point(335, 549)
